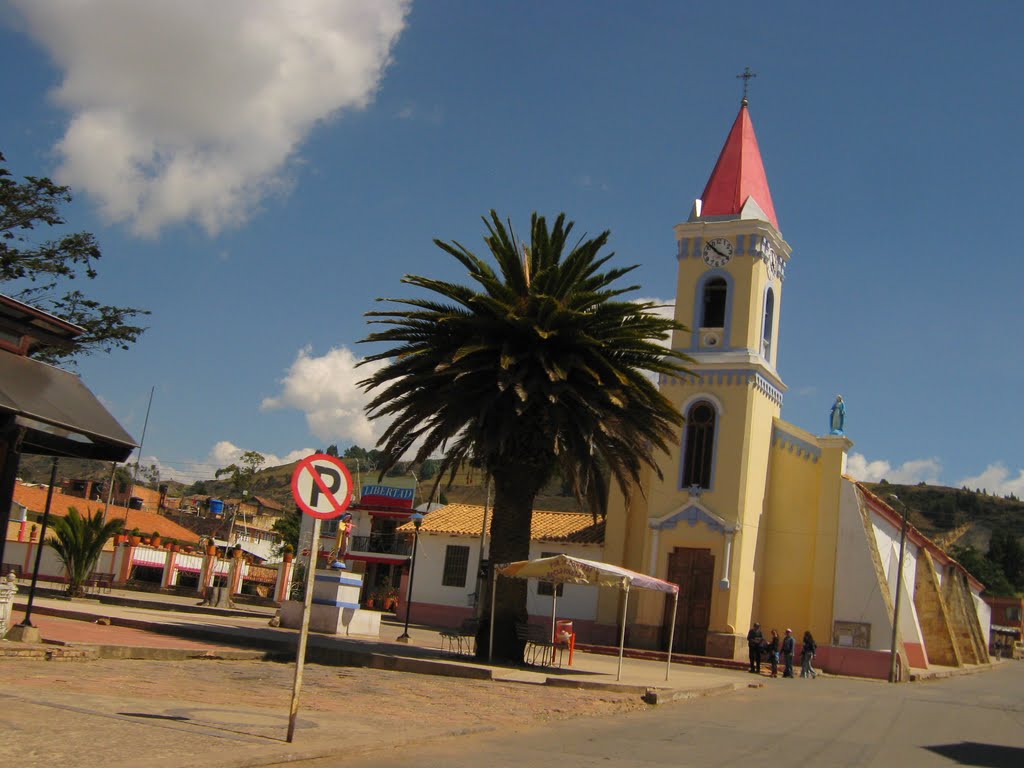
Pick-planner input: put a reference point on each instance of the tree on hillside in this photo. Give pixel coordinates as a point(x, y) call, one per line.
point(288, 526)
point(242, 473)
point(983, 569)
point(539, 363)
point(78, 542)
point(37, 270)
point(1005, 550)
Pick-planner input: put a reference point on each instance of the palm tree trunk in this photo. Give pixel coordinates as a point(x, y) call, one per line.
point(515, 488)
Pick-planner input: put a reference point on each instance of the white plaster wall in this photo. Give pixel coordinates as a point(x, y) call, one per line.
point(577, 601)
point(984, 611)
point(49, 565)
point(858, 596)
point(430, 553)
point(887, 537)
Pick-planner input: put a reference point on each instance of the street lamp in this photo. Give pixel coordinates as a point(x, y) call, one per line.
point(893, 655)
point(417, 521)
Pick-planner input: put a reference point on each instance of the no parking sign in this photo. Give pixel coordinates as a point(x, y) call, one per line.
point(322, 486)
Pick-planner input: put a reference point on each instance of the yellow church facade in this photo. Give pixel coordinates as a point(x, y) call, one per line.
point(750, 511)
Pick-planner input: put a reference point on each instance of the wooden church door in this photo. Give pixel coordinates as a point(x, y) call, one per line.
point(693, 570)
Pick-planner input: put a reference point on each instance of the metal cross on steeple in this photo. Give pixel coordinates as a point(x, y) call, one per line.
point(746, 75)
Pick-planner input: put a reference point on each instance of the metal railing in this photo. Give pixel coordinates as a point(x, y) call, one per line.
point(396, 544)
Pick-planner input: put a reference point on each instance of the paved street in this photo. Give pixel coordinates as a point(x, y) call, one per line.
point(975, 720)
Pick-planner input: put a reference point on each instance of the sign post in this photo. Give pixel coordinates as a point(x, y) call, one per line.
point(322, 487)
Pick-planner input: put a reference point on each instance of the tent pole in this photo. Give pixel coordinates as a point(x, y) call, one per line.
point(494, 597)
point(554, 613)
point(671, 634)
point(622, 632)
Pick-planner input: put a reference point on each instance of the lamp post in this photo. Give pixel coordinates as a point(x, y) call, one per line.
point(27, 621)
point(893, 654)
point(417, 521)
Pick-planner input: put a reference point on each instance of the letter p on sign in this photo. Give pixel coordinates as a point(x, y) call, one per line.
point(322, 486)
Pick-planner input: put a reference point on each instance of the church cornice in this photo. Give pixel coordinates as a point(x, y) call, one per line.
point(764, 245)
point(799, 446)
point(730, 377)
point(693, 512)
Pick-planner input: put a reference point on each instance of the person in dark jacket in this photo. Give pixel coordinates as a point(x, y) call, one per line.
point(807, 656)
point(755, 639)
point(773, 652)
point(788, 649)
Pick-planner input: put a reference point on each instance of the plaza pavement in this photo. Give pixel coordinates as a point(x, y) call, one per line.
point(138, 626)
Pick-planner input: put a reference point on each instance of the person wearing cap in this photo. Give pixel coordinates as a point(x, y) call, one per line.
point(755, 639)
point(788, 649)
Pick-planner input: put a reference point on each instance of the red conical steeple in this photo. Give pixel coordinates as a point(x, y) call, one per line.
point(739, 174)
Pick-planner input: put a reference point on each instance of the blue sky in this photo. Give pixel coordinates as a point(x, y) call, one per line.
point(258, 174)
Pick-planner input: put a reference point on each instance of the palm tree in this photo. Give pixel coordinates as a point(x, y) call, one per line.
point(541, 364)
point(78, 542)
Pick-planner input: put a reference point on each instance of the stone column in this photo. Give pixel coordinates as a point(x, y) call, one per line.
point(284, 579)
point(32, 535)
point(235, 573)
point(126, 562)
point(168, 580)
point(8, 589)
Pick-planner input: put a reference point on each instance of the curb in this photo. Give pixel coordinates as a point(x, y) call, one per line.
point(925, 675)
point(654, 696)
point(283, 649)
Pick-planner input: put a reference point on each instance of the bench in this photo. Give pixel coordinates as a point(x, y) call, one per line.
point(538, 647)
point(99, 581)
point(461, 640)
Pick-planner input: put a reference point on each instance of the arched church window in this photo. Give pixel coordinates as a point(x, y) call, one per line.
point(700, 442)
point(768, 325)
point(715, 293)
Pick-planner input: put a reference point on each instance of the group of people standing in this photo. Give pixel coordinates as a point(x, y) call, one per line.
point(772, 649)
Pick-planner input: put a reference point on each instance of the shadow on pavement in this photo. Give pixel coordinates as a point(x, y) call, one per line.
point(982, 755)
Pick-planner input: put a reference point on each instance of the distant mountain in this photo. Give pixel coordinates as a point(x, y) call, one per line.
point(275, 482)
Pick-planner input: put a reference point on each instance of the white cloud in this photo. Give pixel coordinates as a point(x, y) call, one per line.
point(189, 110)
point(908, 473)
point(664, 308)
point(324, 388)
point(221, 455)
point(997, 480)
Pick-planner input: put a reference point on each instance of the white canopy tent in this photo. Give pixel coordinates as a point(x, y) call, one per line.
point(563, 569)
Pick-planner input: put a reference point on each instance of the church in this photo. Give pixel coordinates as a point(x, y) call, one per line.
point(754, 517)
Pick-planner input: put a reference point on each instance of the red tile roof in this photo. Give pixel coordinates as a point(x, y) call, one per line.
point(913, 534)
point(466, 519)
point(263, 501)
point(33, 497)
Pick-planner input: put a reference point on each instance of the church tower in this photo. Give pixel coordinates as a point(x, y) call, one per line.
point(699, 525)
point(732, 263)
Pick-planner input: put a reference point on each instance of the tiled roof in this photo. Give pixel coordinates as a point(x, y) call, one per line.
point(148, 495)
point(466, 519)
point(33, 497)
point(263, 501)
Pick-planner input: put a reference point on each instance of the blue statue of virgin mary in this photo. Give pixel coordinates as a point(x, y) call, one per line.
point(837, 418)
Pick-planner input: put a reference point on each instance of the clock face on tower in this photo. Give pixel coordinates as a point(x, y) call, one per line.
point(717, 252)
